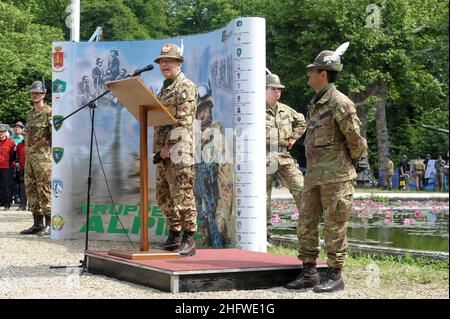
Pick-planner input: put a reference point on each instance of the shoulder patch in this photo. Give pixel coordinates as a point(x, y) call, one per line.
point(184, 94)
point(342, 109)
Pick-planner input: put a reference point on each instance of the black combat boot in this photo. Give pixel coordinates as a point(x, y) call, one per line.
point(48, 226)
point(172, 242)
point(333, 281)
point(38, 225)
point(187, 247)
point(308, 278)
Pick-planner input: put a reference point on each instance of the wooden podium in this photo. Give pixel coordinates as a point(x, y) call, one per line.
point(146, 108)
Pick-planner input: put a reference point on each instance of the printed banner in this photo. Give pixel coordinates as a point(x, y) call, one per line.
point(228, 67)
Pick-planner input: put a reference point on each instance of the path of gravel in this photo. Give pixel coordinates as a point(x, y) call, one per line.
point(25, 273)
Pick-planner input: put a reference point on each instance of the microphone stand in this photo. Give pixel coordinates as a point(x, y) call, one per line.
point(92, 105)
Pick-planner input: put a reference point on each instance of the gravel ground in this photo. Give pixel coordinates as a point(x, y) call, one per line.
point(25, 273)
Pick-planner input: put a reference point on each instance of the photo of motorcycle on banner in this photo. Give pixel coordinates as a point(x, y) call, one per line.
point(229, 71)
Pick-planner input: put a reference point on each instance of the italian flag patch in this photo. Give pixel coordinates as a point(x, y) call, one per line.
point(184, 95)
point(342, 109)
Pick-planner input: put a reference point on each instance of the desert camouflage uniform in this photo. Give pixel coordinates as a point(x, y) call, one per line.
point(38, 166)
point(333, 148)
point(214, 170)
point(419, 170)
point(175, 176)
point(389, 173)
point(287, 123)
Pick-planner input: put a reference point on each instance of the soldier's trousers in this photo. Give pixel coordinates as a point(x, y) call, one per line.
point(388, 182)
point(38, 174)
point(175, 195)
point(292, 177)
point(333, 202)
point(419, 179)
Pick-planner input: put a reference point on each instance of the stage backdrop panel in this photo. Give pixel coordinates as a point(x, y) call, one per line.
point(228, 66)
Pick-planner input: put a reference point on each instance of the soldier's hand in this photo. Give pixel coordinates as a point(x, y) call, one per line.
point(165, 152)
point(291, 142)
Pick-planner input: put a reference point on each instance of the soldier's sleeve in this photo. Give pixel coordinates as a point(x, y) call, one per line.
point(298, 125)
point(49, 125)
point(186, 106)
point(349, 124)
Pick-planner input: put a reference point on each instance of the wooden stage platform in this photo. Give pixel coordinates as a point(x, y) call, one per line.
point(208, 270)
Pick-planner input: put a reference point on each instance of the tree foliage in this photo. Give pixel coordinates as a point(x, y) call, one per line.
point(25, 52)
point(407, 53)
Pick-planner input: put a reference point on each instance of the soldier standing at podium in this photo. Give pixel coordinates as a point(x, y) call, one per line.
point(175, 144)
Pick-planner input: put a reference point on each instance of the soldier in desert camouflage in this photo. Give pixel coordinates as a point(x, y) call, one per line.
point(175, 145)
point(213, 181)
point(38, 165)
point(284, 126)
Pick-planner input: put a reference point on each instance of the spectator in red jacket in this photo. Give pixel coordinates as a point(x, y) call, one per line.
point(20, 172)
point(7, 156)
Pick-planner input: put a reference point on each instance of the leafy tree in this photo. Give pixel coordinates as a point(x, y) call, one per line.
point(198, 16)
point(117, 20)
point(151, 14)
point(25, 52)
point(385, 69)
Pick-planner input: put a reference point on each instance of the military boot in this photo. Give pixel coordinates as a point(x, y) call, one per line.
point(333, 281)
point(308, 278)
point(48, 226)
point(38, 225)
point(187, 247)
point(172, 242)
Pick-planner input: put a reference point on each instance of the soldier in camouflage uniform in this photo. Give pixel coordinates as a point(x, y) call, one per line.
point(213, 175)
point(284, 126)
point(38, 166)
point(175, 144)
point(334, 147)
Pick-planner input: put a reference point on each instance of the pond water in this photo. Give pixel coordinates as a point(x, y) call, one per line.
point(418, 225)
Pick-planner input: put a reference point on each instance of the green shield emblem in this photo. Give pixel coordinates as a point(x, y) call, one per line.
point(239, 52)
point(58, 153)
point(59, 86)
point(57, 123)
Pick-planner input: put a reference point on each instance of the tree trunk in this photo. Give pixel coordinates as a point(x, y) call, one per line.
point(360, 100)
point(382, 131)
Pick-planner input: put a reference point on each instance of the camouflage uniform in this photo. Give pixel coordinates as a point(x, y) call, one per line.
point(38, 166)
point(419, 171)
point(174, 180)
point(333, 148)
point(214, 177)
point(389, 173)
point(287, 124)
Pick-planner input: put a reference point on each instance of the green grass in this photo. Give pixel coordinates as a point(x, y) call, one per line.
point(379, 190)
point(394, 271)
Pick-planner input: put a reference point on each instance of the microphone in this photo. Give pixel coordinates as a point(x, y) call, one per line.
point(141, 70)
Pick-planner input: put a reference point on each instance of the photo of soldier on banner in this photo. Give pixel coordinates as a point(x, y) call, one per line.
point(210, 61)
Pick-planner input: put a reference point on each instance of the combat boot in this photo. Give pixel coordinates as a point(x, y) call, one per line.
point(187, 247)
point(172, 242)
point(48, 226)
point(308, 278)
point(333, 281)
point(38, 225)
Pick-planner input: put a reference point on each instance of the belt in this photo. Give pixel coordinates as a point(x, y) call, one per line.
point(279, 149)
